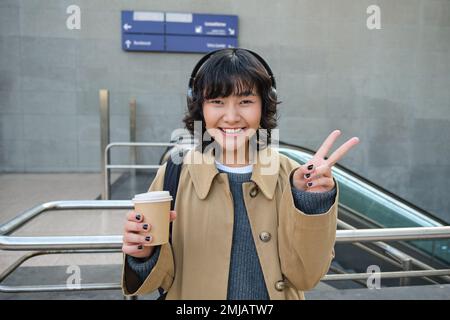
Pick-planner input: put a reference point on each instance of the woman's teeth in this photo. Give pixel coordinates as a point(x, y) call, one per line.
point(231, 131)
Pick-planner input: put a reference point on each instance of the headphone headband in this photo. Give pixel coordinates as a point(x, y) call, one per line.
point(207, 56)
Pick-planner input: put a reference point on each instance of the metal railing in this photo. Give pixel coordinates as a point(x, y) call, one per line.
point(107, 167)
point(182, 143)
point(113, 244)
point(58, 245)
point(387, 275)
point(391, 254)
point(104, 125)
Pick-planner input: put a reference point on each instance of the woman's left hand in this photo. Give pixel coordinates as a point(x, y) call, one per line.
point(315, 175)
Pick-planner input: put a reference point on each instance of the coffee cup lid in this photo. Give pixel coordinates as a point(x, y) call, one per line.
point(153, 196)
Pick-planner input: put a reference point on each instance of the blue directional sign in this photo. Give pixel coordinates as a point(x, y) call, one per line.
point(142, 22)
point(143, 42)
point(177, 32)
point(201, 24)
point(198, 44)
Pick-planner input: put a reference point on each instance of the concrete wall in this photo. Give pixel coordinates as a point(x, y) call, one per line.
point(390, 87)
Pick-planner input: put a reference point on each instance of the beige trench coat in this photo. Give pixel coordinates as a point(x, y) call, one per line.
point(295, 249)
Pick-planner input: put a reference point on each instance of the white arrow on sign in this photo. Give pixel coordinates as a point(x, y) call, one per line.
point(231, 31)
point(127, 27)
point(198, 29)
point(128, 44)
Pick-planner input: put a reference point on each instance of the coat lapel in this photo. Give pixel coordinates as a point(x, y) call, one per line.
point(202, 169)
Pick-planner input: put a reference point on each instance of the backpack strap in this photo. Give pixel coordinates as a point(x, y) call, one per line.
point(171, 181)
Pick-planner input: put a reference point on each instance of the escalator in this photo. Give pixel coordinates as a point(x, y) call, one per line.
point(365, 205)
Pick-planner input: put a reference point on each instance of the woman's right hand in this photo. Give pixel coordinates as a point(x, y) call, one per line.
point(137, 233)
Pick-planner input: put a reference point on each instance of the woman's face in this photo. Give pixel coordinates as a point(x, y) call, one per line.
point(232, 120)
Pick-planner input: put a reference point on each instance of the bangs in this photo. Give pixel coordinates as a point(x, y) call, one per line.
point(230, 85)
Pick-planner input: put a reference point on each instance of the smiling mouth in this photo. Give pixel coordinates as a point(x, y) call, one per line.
point(232, 131)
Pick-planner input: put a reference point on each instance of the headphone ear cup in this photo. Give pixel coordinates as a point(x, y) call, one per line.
point(273, 93)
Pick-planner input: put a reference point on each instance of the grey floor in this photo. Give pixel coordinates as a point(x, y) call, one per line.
point(57, 275)
point(19, 192)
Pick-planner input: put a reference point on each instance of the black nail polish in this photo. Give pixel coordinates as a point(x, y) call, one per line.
point(148, 238)
point(310, 167)
point(145, 226)
point(307, 175)
point(140, 247)
point(138, 217)
point(309, 184)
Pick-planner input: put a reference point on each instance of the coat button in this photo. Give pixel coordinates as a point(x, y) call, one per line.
point(265, 236)
point(280, 285)
point(254, 191)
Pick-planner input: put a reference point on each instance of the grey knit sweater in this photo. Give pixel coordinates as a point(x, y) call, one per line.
point(245, 279)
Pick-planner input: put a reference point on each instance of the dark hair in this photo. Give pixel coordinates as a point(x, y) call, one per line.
point(227, 72)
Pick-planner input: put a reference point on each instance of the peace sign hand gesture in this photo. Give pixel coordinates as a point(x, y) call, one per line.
point(315, 175)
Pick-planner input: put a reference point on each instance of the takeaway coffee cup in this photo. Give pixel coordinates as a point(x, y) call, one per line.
point(155, 207)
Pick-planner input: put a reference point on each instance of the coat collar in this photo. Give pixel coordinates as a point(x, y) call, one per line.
point(202, 170)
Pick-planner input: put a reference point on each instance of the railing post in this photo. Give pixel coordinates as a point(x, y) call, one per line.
point(133, 150)
point(406, 266)
point(104, 139)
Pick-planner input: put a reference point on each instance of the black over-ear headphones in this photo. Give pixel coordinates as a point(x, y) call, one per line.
point(202, 61)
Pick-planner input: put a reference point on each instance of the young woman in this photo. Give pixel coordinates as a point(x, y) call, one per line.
point(249, 223)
